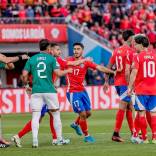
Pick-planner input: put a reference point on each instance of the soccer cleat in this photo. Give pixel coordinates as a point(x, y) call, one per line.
point(146, 141)
point(153, 141)
point(2, 141)
point(2, 145)
point(35, 143)
point(89, 139)
point(34, 146)
point(54, 142)
point(117, 138)
point(136, 140)
point(76, 128)
point(16, 140)
point(62, 142)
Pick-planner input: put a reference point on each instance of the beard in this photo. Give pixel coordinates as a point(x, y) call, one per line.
point(77, 55)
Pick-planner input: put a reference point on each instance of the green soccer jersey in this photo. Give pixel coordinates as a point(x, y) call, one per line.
point(2, 65)
point(41, 66)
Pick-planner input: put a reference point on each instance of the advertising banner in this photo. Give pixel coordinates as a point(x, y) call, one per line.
point(32, 32)
point(17, 100)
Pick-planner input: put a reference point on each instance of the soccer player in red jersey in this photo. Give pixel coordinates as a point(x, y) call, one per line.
point(143, 77)
point(76, 92)
point(118, 59)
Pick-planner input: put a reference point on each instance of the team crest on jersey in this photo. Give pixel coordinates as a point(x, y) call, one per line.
point(81, 65)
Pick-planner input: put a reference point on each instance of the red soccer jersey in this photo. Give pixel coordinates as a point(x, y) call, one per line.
point(76, 78)
point(145, 83)
point(119, 59)
point(62, 63)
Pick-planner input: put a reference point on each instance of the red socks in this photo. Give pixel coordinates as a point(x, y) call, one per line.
point(77, 120)
point(84, 127)
point(136, 125)
point(129, 116)
point(148, 117)
point(25, 130)
point(143, 127)
point(153, 125)
point(119, 120)
point(52, 129)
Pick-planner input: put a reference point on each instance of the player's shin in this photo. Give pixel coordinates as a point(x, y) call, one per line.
point(57, 124)
point(148, 117)
point(136, 125)
point(153, 125)
point(25, 130)
point(35, 126)
point(77, 121)
point(129, 117)
point(52, 129)
point(143, 126)
point(119, 120)
point(84, 126)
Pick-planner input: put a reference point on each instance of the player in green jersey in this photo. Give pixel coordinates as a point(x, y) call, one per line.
point(42, 66)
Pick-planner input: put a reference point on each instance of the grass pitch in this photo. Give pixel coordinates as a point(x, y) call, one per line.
point(100, 126)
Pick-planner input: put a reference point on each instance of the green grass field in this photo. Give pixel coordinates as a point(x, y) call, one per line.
point(100, 126)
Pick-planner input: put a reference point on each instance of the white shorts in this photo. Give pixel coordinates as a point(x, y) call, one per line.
point(39, 99)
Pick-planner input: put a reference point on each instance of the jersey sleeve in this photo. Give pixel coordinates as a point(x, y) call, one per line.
point(27, 66)
point(2, 65)
point(55, 64)
point(91, 65)
point(112, 59)
point(135, 64)
point(62, 63)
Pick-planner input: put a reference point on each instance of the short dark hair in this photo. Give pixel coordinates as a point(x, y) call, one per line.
point(127, 34)
point(141, 39)
point(53, 44)
point(43, 44)
point(78, 44)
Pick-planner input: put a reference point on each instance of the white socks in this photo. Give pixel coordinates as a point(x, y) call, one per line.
point(57, 124)
point(35, 126)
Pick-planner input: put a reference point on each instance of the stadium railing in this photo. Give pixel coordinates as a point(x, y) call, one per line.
point(35, 20)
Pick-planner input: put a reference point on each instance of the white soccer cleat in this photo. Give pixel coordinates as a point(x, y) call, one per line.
point(35, 144)
point(63, 142)
point(136, 140)
point(16, 140)
point(54, 142)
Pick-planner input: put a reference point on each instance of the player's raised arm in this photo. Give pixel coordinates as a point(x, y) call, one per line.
point(9, 66)
point(104, 69)
point(77, 62)
point(60, 73)
point(7, 60)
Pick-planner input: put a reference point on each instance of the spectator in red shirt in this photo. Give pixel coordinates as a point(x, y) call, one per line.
point(55, 11)
point(125, 23)
point(64, 11)
point(3, 4)
point(22, 14)
point(87, 14)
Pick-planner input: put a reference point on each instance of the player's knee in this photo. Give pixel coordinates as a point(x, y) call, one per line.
point(88, 114)
point(83, 115)
point(129, 107)
point(123, 105)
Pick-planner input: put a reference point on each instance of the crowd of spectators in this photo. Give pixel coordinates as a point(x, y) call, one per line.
point(106, 18)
